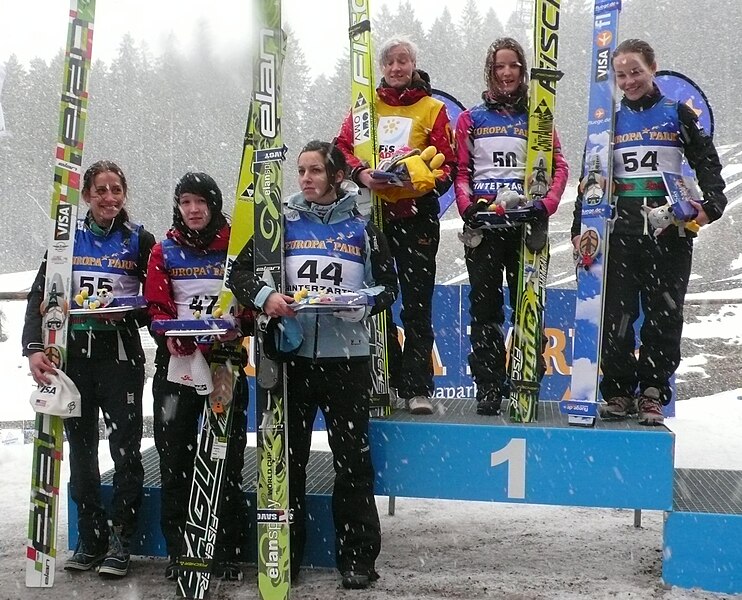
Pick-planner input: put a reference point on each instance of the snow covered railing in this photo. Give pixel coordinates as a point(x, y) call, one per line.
point(13, 295)
point(706, 299)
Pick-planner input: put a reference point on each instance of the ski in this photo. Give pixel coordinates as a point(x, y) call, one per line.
point(202, 518)
point(41, 551)
point(273, 515)
point(526, 343)
point(597, 212)
point(365, 147)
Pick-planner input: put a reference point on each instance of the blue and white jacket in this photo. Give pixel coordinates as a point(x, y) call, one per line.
point(339, 251)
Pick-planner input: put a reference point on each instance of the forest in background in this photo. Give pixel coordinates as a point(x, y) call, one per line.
point(185, 109)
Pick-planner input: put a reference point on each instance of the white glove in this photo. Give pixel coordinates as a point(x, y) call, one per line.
point(353, 315)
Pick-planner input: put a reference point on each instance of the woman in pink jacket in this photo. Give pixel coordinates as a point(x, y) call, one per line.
point(491, 146)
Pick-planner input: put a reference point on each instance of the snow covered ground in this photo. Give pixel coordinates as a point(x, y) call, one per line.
point(431, 549)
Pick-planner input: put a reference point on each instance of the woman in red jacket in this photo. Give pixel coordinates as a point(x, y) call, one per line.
point(408, 117)
point(185, 276)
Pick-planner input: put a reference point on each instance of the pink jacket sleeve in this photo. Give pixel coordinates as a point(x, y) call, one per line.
point(463, 157)
point(559, 179)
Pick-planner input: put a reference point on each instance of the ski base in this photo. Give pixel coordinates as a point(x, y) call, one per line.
point(41, 551)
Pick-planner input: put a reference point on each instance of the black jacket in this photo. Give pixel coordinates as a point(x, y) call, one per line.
point(100, 344)
point(702, 157)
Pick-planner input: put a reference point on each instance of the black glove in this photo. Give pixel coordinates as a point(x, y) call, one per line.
point(538, 211)
point(470, 213)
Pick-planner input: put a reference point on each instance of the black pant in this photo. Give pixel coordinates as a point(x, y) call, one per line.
point(413, 242)
point(652, 274)
point(498, 252)
point(114, 388)
point(341, 391)
point(177, 412)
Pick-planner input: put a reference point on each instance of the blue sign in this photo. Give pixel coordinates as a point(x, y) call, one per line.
point(451, 348)
point(678, 87)
point(454, 108)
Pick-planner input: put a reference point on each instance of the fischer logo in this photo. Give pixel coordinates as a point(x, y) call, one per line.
point(549, 41)
point(360, 49)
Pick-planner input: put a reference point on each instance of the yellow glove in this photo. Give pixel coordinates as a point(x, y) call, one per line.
point(422, 170)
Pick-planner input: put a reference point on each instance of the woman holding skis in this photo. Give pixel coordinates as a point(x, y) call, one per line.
point(330, 368)
point(652, 135)
point(491, 151)
point(408, 118)
point(105, 360)
point(185, 275)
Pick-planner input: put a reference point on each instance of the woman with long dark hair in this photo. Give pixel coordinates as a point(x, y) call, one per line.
point(105, 360)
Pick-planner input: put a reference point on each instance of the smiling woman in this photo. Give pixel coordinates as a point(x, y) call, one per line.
point(103, 353)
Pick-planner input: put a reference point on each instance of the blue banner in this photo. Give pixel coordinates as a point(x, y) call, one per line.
point(451, 348)
point(454, 108)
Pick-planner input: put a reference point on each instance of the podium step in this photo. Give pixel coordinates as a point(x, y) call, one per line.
point(148, 540)
point(701, 535)
point(458, 455)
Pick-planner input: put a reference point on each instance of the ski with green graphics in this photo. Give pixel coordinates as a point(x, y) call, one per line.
point(41, 551)
point(273, 514)
point(363, 92)
point(526, 347)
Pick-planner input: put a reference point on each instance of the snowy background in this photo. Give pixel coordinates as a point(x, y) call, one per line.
point(430, 549)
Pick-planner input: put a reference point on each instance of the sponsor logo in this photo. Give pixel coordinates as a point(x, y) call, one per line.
point(602, 63)
point(63, 222)
point(271, 516)
point(359, 60)
point(266, 93)
point(604, 39)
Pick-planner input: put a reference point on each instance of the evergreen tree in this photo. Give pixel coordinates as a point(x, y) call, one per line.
point(298, 105)
point(383, 27)
point(469, 56)
point(435, 54)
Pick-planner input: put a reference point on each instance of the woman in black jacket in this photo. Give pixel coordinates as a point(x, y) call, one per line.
point(652, 135)
point(105, 360)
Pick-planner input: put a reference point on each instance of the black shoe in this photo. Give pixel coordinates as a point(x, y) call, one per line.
point(359, 580)
point(172, 570)
point(85, 557)
point(116, 561)
point(489, 401)
point(228, 571)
